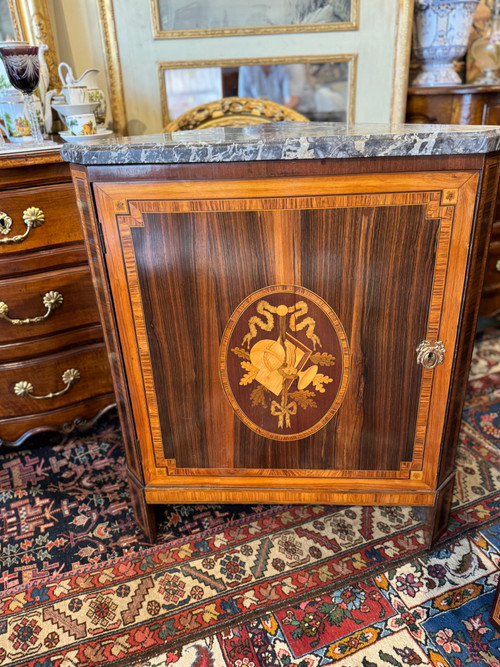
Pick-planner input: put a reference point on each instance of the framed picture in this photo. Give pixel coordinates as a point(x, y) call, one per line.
point(217, 18)
point(319, 87)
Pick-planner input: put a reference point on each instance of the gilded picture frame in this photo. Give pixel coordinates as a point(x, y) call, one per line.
point(350, 59)
point(309, 16)
point(31, 22)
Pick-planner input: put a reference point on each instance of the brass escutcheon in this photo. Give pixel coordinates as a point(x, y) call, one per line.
point(5, 223)
point(430, 355)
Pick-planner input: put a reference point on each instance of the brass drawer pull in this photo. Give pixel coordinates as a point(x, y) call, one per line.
point(24, 388)
point(497, 265)
point(430, 355)
point(33, 217)
point(51, 300)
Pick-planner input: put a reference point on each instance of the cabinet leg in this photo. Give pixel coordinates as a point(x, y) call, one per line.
point(144, 513)
point(438, 515)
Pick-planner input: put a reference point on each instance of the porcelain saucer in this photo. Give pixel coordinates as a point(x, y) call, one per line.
point(72, 139)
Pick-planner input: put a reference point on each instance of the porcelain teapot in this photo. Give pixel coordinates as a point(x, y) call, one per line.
point(89, 80)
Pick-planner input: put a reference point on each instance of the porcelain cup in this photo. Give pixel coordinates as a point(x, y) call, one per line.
point(81, 125)
point(76, 94)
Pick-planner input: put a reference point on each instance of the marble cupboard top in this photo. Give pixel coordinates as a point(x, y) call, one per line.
point(287, 141)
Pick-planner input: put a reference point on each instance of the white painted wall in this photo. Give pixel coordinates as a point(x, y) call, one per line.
point(79, 44)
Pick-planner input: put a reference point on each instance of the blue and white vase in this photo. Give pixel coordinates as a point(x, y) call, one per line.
point(441, 30)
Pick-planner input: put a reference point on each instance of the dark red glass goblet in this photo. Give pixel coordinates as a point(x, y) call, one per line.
point(22, 66)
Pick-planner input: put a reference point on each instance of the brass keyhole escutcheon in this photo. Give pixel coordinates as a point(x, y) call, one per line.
point(430, 355)
point(5, 223)
point(33, 217)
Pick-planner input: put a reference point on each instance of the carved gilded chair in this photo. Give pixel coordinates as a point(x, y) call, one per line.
point(233, 111)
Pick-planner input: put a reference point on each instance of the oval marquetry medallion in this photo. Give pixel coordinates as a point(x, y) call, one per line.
point(284, 362)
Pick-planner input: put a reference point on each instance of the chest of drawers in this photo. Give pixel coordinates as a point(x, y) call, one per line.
point(54, 373)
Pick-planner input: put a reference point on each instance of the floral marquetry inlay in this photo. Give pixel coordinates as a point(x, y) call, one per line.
point(284, 362)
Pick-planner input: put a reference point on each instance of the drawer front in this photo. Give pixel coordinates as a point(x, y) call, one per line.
point(490, 302)
point(17, 429)
point(37, 306)
point(24, 172)
point(490, 295)
point(492, 273)
point(48, 383)
point(32, 348)
point(57, 224)
point(29, 263)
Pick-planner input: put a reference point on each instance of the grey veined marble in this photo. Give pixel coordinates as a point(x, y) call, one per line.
point(287, 141)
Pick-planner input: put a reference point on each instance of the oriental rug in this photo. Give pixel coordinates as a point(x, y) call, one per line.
point(431, 611)
point(81, 586)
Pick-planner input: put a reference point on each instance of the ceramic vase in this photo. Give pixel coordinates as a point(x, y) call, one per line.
point(441, 31)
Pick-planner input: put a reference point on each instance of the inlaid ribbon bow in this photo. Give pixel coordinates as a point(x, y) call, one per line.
point(281, 411)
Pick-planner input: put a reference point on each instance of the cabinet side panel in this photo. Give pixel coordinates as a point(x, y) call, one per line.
point(100, 280)
point(468, 318)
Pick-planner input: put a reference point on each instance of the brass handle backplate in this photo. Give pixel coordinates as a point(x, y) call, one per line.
point(33, 217)
point(51, 300)
point(430, 355)
point(23, 388)
point(497, 265)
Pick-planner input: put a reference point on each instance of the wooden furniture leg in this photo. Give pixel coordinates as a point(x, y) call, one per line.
point(144, 514)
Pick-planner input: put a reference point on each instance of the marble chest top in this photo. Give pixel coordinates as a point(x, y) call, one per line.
point(287, 141)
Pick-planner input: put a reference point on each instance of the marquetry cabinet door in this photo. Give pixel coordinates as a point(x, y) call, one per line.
point(289, 339)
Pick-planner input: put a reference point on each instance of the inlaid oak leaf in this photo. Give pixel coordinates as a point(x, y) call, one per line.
point(319, 380)
point(323, 359)
point(303, 398)
point(240, 352)
point(258, 396)
point(249, 376)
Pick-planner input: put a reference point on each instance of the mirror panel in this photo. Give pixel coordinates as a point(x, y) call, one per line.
point(321, 91)
point(211, 18)
point(8, 29)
